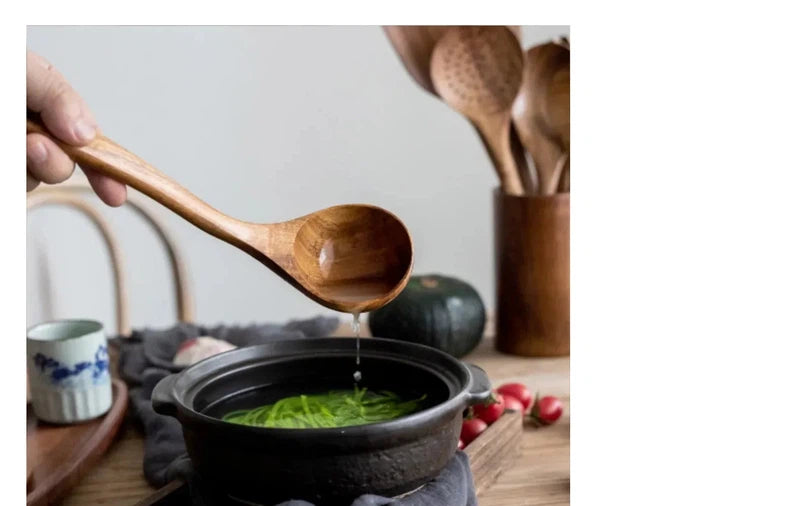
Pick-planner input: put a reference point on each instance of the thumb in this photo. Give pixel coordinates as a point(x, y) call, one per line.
point(63, 111)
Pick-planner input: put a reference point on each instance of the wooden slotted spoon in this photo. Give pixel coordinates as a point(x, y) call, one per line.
point(350, 258)
point(477, 70)
point(414, 45)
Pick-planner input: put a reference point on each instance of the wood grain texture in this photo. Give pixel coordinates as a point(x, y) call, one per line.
point(559, 174)
point(563, 184)
point(556, 107)
point(545, 155)
point(414, 45)
point(527, 173)
point(532, 274)
point(539, 476)
point(495, 450)
point(60, 455)
point(541, 109)
point(176, 492)
point(348, 258)
point(477, 70)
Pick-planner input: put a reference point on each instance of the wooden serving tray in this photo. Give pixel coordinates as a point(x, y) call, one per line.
point(495, 449)
point(489, 454)
point(59, 455)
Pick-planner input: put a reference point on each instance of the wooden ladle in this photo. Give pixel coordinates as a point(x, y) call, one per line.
point(350, 258)
point(477, 70)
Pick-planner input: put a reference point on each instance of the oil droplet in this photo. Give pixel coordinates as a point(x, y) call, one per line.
point(357, 333)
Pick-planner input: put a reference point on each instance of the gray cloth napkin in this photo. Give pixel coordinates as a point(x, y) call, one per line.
point(146, 358)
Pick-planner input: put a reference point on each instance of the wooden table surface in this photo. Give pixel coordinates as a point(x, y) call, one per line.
point(540, 475)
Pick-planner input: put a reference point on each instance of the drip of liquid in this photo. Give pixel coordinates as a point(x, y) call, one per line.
point(357, 333)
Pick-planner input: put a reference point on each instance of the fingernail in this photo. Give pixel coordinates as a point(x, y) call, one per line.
point(84, 130)
point(38, 153)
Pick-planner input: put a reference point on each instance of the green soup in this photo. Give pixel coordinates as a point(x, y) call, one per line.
point(337, 408)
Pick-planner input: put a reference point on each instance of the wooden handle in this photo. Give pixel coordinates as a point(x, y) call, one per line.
point(558, 174)
point(496, 134)
point(545, 154)
point(107, 157)
point(523, 168)
point(563, 185)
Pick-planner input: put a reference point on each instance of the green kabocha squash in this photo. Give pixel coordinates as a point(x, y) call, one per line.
point(438, 311)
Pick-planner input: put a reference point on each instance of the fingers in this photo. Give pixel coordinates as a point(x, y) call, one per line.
point(46, 161)
point(63, 111)
point(49, 164)
point(68, 118)
point(32, 182)
point(111, 192)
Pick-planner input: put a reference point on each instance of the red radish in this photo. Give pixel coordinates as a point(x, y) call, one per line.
point(471, 429)
point(490, 412)
point(460, 444)
point(513, 403)
point(546, 410)
point(519, 391)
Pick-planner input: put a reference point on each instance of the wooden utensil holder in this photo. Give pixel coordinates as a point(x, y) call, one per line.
point(532, 269)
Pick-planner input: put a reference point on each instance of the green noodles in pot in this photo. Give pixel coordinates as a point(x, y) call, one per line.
point(337, 408)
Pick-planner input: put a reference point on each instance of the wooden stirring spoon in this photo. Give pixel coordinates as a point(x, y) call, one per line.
point(543, 63)
point(555, 103)
point(558, 119)
point(477, 70)
point(563, 183)
point(350, 258)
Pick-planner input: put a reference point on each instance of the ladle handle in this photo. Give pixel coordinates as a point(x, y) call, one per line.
point(107, 157)
point(496, 132)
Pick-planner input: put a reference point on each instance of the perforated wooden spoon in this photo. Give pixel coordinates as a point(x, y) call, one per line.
point(477, 70)
point(414, 45)
point(351, 258)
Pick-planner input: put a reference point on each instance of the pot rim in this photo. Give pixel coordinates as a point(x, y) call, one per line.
point(473, 389)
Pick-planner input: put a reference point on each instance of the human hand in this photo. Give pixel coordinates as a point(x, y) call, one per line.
point(69, 119)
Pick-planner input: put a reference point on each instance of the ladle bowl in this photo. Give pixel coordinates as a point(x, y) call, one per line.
point(351, 258)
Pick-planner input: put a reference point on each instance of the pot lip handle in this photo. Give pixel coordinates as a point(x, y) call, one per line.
point(163, 398)
point(480, 388)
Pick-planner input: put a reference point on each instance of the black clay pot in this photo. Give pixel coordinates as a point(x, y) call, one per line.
point(324, 466)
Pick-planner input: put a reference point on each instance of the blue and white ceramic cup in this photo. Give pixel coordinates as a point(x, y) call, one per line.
point(68, 371)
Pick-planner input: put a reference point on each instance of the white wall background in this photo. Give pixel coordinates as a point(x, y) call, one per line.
point(266, 124)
